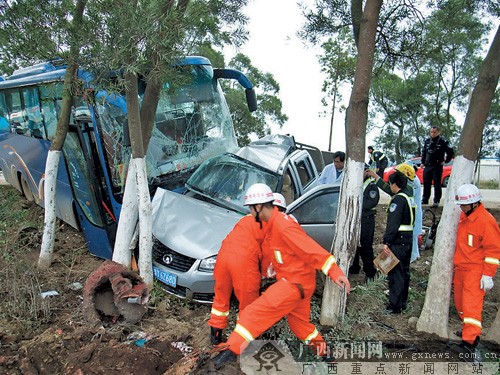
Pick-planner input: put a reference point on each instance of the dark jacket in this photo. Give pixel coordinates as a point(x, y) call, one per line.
point(434, 150)
point(399, 215)
point(371, 197)
point(379, 158)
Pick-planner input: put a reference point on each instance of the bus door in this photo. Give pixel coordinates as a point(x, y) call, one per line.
point(93, 208)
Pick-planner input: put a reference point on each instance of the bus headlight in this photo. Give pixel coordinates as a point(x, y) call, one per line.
point(207, 264)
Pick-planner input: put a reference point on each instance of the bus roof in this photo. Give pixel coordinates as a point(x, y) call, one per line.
point(55, 69)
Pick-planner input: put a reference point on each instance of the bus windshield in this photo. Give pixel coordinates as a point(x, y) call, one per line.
point(192, 124)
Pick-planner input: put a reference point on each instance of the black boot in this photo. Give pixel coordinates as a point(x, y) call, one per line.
point(468, 352)
point(226, 356)
point(215, 335)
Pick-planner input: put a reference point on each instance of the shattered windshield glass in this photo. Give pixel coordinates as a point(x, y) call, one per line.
point(226, 178)
point(192, 124)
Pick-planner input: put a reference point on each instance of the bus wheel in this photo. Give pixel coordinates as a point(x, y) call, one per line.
point(26, 190)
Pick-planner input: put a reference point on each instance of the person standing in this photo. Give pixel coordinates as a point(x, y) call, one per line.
point(238, 269)
point(377, 160)
point(414, 183)
point(398, 238)
point(296, 257)
point(433, 157)
point(476, 260)
point(332, 173)
point(371, 198)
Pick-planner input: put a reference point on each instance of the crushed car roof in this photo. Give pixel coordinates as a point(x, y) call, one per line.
point(268, 151)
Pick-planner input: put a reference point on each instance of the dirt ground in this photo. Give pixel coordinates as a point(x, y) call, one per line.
point(50, 335)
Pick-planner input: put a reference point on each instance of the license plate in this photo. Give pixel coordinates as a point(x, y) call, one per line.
point(165, 277)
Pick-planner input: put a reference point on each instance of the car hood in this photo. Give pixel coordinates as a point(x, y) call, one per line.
point(190, 226)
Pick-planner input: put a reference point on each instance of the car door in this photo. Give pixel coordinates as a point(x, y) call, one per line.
point(316, 212)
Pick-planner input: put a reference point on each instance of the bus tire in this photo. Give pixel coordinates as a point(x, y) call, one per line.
point(25, 187)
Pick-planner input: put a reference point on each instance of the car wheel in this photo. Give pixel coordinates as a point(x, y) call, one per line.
point(26, 190)
point(445, 181)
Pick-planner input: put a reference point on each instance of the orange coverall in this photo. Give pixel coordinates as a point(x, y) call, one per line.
point(477, 253)
point(237, 268)
point(296, 256)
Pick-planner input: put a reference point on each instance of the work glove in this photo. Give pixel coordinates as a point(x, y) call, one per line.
point(270, 271)
point(486, 282)
point(215, 335)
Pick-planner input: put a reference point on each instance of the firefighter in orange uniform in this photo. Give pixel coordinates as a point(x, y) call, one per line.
point(295, 257)
point(237, 268)
point(476, 260)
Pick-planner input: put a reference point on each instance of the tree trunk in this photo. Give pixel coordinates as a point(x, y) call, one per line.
point(49, 229)
point(145, 223)
point(49, 224)
point(434, 316)
point(349, 213)
point(494, 331)
point(435, 313)
point(345, 241)
point(127, 221)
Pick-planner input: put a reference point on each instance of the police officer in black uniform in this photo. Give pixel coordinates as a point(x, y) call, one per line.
point(371, 197)
point(433, 156)
point(398, 238)
point(380, 160)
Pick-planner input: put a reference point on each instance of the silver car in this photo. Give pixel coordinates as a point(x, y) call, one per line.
point(189, 228)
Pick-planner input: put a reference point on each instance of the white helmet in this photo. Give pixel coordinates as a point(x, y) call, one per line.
point(279, 200)
point(467, 194)
point(258, 194)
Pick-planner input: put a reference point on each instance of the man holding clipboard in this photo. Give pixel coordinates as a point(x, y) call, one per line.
point(398, 239)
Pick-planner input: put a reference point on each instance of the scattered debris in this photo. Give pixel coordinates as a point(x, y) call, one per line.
point(49, 293)
point(114, 292)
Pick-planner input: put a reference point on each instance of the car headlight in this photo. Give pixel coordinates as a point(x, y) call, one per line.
point(207, 264)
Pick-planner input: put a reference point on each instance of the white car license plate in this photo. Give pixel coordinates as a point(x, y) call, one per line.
point(165, 277)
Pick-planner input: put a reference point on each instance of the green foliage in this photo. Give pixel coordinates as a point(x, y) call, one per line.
point(269, 106)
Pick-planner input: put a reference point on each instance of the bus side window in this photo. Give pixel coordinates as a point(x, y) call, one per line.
point(51, 98)
point(33, 113)
point(4, 123)
point(16, 112)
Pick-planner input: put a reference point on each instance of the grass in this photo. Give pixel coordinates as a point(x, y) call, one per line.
point(20, 285)
point(490, 184)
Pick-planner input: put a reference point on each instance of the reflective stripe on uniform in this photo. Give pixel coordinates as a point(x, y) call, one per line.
point(412, 205)
point(243, 332)
point(277, 255)
point(312, 336)
point(219, 313)
point(328, 264)
point(470, 240)
point(472, 321)
point(490, 260)
point(405, 228)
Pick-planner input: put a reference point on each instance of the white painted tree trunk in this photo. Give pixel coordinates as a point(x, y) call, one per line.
point(345, 241)
point(494, 331)
point(435, 313)
point(128, 219)
point(145, 223)
point(49, 225)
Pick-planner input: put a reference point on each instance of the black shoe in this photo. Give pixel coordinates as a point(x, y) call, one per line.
point(403, 306)
point(226, 356)
point(435, 205)
point(392, 310)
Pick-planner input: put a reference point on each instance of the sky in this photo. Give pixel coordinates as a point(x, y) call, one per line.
point(274, 47)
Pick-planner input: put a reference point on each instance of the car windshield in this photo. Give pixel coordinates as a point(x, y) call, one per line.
point(226, 178)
